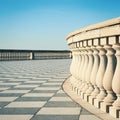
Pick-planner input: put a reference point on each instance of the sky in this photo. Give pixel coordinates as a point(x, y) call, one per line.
point(44, 24)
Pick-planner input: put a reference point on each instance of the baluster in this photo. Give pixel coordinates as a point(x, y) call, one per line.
point(99, 77)
point(79, 66)
point(88, 73)
point(72, 63)
point(81, 70)
point(74, 71)
point(114, 110)
point(72, 79)
point(84, 72)
point(91, 77)
point(107, 79)
point(79, 63)
point(96, 70)
point(75, 61)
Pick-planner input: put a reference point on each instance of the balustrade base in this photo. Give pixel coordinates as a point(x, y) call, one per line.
point(68, 89)
point(91, 100)
point(82, 95)
point(97, 103)
point(86, 97)
point(105, 107)
point(115, 112)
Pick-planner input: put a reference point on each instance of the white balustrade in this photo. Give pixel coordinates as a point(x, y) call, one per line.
point(95, 68)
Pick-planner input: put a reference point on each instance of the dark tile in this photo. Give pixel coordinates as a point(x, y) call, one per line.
point(55, 117)
point(43, 91)
point(11, 94)
point(7, 85)
point(50, 85)
point(23, 88)
point(85, 112)
point(60, 95)
point(19, 110)
point(2, 104)
point(33, 99)
point(61, 104)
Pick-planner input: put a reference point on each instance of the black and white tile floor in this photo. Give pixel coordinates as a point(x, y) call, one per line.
point(31, 90)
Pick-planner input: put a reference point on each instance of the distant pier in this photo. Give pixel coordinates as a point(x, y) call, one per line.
point(11, 54)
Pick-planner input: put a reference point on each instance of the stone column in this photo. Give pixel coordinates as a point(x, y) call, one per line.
point(107, 79)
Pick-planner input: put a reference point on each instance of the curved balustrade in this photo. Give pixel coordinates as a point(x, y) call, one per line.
point(95, 68)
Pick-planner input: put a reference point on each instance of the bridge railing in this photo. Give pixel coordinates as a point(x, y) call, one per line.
point(95, 66)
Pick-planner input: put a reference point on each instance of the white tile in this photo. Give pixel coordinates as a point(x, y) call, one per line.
point(4, 88)
point(7, 99)
point(35, 81)
point(38, 95)
point(60, 99)
point(18, 80)
point(26, 86)
point(90, 117)
point(10, 83)
point(51, 83)
point(47, 88)
point(59, 111)
point(15, 91)
point(26, 104)
point(56, 80)
point(15, 117)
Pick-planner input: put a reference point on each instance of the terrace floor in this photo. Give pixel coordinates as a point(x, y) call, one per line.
point(31, 90)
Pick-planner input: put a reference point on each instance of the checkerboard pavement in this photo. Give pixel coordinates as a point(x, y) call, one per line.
point(31, 90)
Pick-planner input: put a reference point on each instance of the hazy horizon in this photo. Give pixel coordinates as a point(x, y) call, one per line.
point(44, 24)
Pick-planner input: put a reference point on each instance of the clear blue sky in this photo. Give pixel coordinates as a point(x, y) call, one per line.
point(44, 24)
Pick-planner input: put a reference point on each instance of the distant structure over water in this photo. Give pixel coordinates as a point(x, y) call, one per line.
point(10, 54)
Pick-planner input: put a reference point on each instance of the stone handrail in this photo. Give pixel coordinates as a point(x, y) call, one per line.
point(95, 66)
